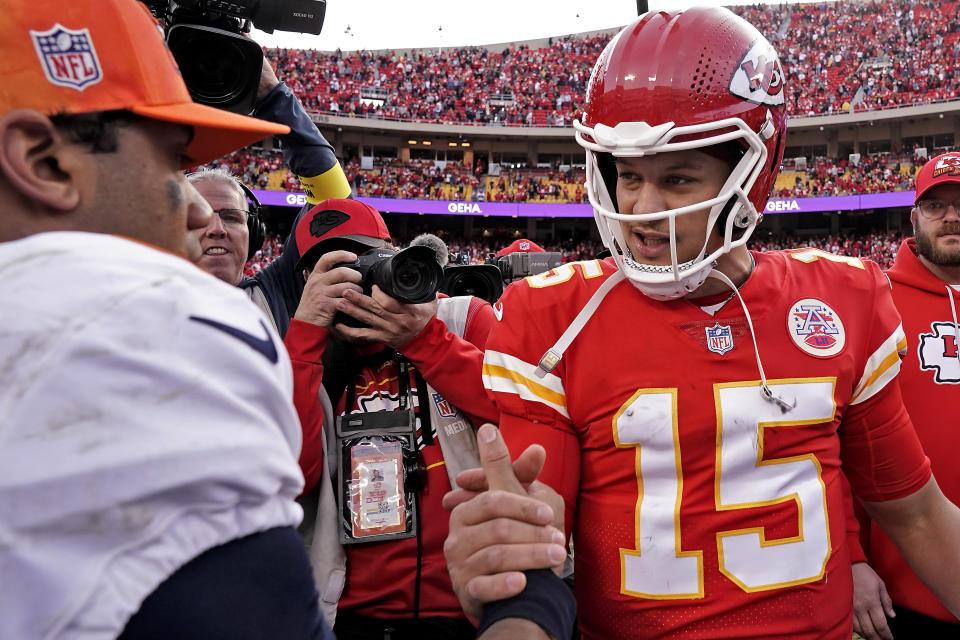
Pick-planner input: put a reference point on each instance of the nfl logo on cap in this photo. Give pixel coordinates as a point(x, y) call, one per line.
point(68, 57)
point(719, 338)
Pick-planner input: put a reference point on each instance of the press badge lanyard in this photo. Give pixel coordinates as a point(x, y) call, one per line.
point(405, 398)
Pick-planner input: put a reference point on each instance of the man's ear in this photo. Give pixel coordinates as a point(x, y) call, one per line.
point(38, 162)
point(913, 216)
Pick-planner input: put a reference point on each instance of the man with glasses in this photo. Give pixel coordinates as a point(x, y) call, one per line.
point(225, 241)
point(925, 280)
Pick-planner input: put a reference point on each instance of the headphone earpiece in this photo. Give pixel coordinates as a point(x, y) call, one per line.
point(255, 226)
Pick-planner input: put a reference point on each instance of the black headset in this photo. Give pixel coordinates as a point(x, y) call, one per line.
point(257, 229)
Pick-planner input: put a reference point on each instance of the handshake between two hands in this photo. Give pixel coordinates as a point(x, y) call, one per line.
point(502, 522)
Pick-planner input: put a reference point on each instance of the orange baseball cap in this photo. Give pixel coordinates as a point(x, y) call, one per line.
point(86, 56)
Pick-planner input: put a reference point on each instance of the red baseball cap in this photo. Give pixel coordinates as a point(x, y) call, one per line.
point(87, 56)
point(521, 245)
point(338, 218)
point(943, 169)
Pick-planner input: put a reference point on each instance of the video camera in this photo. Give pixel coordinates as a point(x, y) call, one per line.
point(221, 67)
point(486, 280)
point(521, 264)
point(411, 276)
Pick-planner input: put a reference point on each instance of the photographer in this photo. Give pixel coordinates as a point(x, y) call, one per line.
point(397, 587)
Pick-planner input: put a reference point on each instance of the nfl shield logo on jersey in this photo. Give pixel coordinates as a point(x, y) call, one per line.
point(444, 408)
point(719, 338)
point(816, 328)
point(67, 56)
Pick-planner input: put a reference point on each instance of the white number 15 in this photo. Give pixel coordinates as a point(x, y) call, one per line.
point(657, 568)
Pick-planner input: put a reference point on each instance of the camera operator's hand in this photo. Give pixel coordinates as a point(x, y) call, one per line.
point(391, 322)
point(268, 79)
point(325, 288)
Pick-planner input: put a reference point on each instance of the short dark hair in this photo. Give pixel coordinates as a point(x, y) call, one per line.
point(97, 129)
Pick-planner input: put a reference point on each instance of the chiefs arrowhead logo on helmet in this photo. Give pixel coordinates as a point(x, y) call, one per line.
point(759, 77)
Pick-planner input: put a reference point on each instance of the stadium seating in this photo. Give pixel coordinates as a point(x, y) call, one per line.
point(837, 56)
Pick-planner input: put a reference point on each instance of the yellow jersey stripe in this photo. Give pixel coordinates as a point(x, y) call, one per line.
point(508, 374)
point(538, 390)
point(882, 366)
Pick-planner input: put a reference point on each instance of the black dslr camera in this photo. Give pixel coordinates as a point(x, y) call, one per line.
point(411, 276)
point(221, 67)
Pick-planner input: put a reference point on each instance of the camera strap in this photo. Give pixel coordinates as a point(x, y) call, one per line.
point(405, 399)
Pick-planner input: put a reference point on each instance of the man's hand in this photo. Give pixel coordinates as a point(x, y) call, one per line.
point(499, 528)
point(389, 321)
point(268, 79)
point(325, 289)
point(870, 603)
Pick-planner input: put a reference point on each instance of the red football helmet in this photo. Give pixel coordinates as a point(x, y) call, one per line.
point(677, 80)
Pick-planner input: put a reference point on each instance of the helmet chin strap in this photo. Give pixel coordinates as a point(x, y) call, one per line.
point(663, 291)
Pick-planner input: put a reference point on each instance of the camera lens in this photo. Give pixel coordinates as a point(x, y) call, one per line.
point(481, 281)
point(472, 285)
point(217, 67)
point(411, 276)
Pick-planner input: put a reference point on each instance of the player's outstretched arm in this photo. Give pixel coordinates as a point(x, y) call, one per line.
point(498, 526)
point(925, 526)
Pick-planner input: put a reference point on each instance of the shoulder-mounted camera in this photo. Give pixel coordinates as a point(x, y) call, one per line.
point(220, 66)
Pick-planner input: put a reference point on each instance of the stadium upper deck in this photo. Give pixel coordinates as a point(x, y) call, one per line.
point(840, 57)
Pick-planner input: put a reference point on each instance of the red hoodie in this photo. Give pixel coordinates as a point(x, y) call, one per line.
point(930, 381)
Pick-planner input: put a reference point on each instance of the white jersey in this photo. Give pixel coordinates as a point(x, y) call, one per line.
point(145, 416)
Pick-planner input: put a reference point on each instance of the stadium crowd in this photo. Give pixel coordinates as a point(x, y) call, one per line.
point(427, 179)
point(878, 55)
point(879, 246)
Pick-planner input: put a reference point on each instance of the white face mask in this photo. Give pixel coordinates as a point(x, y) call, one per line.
point(637, 139)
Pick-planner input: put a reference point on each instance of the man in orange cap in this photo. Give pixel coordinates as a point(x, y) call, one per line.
point(147, 438)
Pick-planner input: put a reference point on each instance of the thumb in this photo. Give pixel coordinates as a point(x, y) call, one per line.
point(495, 460)
point(886, 601)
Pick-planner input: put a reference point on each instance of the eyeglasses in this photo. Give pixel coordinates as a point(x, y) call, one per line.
point(232, 217)
point(936, 209)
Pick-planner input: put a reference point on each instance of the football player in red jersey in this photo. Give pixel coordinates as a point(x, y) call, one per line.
point(696, 399)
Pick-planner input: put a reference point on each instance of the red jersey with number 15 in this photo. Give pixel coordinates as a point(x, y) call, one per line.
point(703, 510)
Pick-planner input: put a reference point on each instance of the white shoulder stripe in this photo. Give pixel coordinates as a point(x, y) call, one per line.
point(508, 374)
point(882, 366)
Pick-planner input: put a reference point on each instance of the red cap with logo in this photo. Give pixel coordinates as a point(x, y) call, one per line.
point(338, 218)
point(944, 169)
point(85, 57)
point(521, 245)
